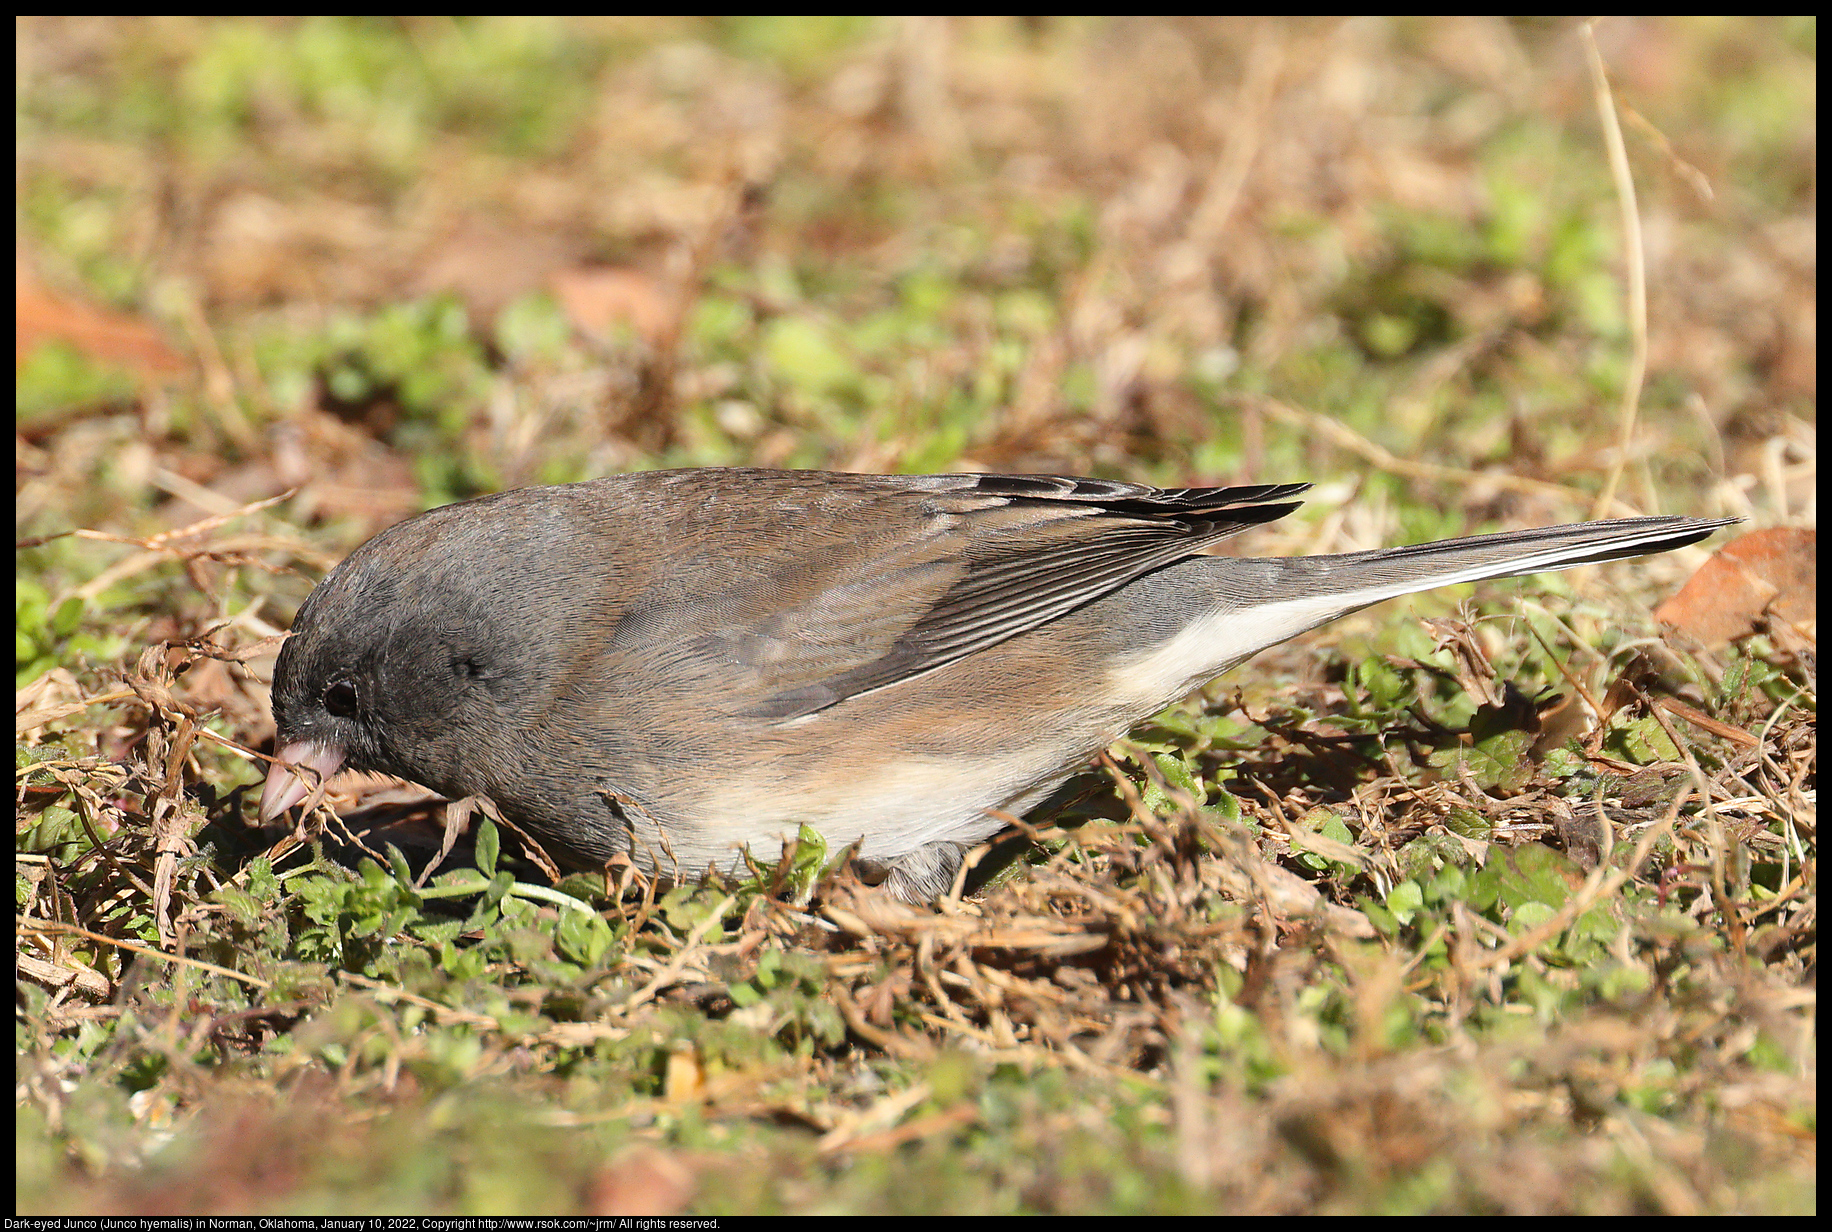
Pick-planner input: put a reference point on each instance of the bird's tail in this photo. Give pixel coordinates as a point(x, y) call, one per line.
point(1356, 579)
point(1248, 604)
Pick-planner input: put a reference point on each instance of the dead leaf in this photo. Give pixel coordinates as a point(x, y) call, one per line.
point(600, 299)
point(1768, 573)
point(644, 1181)
point(102, 334)
point(489, 267)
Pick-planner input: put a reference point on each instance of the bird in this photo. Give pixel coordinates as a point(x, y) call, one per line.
point(685, 666)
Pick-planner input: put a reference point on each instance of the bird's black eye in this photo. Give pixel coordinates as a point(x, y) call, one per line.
point(340, 699)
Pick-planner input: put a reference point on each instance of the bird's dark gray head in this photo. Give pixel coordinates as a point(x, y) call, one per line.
point(422, 655)
point(383, 672)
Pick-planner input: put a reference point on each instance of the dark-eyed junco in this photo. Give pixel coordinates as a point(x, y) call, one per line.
point(682, 664)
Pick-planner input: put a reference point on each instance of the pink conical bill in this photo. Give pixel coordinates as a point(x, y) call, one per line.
point(301, 770)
